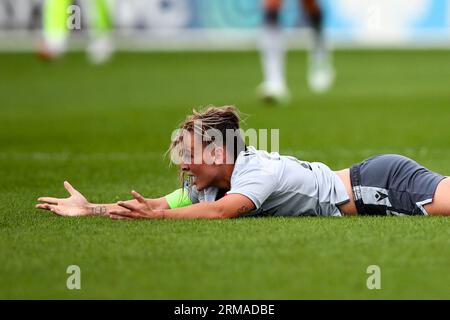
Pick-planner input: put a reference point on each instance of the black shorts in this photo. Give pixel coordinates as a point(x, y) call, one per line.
point(391, 184)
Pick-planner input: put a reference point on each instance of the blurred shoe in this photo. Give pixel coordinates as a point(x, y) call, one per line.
point(271, 92)
point(321, 73)
point(44, 54)
point(51, 48)
point(100, 50)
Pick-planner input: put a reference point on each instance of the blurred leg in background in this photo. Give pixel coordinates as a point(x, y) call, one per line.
point(56, 32)
point(101, 45)
point(272, 46)
point(320, 70)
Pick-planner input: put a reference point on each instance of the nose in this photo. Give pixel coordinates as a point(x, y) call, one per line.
point(184, 167)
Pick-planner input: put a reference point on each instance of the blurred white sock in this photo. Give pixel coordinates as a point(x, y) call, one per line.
point(100, 49)
point(318, 48)
point(273, 55)
point(53, 45)
point(321, 73)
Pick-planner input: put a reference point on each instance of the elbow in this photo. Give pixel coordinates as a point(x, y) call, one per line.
point(226, 215)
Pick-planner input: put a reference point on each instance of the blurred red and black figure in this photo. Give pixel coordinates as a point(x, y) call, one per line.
point(61, 17)
point(320, 74)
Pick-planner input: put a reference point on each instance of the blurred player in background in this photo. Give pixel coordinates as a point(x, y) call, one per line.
point(56, 32)
point(320, 74)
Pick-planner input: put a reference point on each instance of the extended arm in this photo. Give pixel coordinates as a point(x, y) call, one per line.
point(106, 209)
point(78, 205)
point(230, 206)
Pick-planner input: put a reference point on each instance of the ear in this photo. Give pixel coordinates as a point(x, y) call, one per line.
point(219, 156)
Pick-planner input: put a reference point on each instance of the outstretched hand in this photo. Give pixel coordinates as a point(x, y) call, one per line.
point(142, 210)
point(75, 205)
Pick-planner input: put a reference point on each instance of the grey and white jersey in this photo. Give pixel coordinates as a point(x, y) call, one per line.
point(282, 185)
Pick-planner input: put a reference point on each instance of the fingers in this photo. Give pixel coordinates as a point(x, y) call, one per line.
point(44, 206)
point(123, 214)
point(128, 206)
point(49, 207)
point(138, 197)
point(115, 217)
point(49, 200)
point(69, 188)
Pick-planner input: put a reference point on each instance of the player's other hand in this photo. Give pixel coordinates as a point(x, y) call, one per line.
point(75, 205)
point(141, 210)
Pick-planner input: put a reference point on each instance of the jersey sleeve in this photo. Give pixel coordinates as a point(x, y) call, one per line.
point(254, 183)
point(179, 198)
point(182, 197)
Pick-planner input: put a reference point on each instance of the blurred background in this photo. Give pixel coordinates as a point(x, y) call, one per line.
point(231, 24)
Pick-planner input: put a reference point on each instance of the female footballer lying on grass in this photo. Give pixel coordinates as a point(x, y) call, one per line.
point(228, 180)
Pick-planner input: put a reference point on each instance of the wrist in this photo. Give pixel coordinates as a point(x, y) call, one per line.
point(96, 209)
point(160, 214)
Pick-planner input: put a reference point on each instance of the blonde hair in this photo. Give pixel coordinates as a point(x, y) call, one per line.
point(220, 119)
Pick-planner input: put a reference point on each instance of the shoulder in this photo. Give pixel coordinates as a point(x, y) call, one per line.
point(256, 163)
point(253, 157)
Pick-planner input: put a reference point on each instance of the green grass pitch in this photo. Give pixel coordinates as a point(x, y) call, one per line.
point(105, 129)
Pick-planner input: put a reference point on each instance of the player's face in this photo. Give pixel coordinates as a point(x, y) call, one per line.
point(199, 164)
